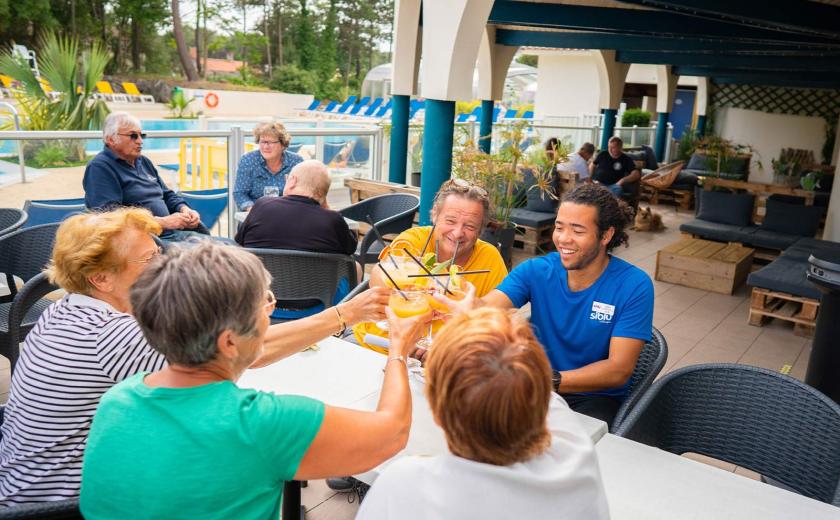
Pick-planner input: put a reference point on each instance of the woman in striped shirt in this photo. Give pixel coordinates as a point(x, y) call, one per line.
point(81, 346)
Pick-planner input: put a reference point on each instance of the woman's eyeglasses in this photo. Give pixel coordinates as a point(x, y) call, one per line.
point(134, 135)
point(149, 258)
point(270, 303)
point(268, 143)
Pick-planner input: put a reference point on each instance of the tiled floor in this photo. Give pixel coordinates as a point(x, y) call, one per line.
point(700, 326)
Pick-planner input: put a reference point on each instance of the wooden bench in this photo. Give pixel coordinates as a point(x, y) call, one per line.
point(802, 312)
point(761, 192)
point(361, 189)
point(703, 264)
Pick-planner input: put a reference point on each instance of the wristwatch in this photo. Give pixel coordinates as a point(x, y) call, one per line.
point(556, 378)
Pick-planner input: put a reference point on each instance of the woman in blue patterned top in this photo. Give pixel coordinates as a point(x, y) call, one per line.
point(265, 167)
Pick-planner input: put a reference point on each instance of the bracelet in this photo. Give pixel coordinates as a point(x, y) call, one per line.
point(396, 358)
point(341, 322)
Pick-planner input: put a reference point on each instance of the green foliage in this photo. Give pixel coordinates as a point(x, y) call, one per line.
point(64, 69)
point(466, 107)
point(635, 117)
point(528, 59)
point(51, 156)
point(305, 39)
point(179, 104)
point(294, 80)
point(686, 145)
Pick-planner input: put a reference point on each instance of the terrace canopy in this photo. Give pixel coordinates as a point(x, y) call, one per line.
point(795, 43)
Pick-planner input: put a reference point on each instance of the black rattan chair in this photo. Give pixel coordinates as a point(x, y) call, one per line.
point(25, 311)
point(23, 254)
point(758, 419)
point(651, 361)
point(11, 219)
point(301, 279)
point(390, 213)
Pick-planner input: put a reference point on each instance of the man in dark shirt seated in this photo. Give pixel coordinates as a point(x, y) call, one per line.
point(300, 220)
point(120, 176)
point(614, 169)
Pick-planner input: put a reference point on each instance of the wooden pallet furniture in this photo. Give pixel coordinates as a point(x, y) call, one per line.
point(703, 264)
point(536, 239)
point(761, 192)
point(802, 312)
point(682, 199)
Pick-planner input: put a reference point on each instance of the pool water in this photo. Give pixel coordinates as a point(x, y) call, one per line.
point(331, 143)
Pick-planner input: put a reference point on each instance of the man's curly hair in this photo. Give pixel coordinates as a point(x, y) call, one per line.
point(612, 212)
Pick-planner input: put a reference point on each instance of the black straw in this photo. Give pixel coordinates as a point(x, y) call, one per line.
point(422, 266)
point(454, 256)
point(429, 239)
point(397, 287)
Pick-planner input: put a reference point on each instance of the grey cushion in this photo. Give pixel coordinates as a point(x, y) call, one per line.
point(806, 246)
point(726, 208)
point(533, 219)
point(698, 162)
point(791, 218)
point(687, 178)
point(716, 231)
point(760, 237)
point(785, 275)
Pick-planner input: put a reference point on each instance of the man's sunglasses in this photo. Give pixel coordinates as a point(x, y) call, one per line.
point(134, 135)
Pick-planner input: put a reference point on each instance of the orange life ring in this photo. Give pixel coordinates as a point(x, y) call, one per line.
point(211, 100)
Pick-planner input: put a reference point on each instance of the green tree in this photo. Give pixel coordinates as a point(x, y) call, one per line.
point(328, 45)
point(305, 38)
point(294, 80)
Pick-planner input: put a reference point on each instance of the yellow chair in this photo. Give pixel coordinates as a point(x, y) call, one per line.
point(132, 90)
point(108, 93)
point(6, 88)
point(48, 90)
point(203, 163)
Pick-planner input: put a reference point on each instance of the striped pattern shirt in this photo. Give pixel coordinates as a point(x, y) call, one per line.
point(79, 349)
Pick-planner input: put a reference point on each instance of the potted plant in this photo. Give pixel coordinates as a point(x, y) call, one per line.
point(790, 166)
point(502, 174)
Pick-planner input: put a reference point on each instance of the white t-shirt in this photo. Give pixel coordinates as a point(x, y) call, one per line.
point(577, 164)
point(564, 482)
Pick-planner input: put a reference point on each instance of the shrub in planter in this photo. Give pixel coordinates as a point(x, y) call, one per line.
point(635, 117)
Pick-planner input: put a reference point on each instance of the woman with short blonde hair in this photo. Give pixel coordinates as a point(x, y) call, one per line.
point(81, 346)
point(516, 448)
point(263, 171)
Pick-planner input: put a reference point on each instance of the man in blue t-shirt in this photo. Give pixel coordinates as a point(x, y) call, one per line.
point(592, 312)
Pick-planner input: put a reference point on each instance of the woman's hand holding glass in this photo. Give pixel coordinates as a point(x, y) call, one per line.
point(405, 331)
point(460, 301)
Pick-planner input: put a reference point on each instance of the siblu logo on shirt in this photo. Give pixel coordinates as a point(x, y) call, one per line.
point(602, 312)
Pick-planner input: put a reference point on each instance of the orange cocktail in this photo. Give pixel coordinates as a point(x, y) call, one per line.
point(399, 268)
point(413, 303)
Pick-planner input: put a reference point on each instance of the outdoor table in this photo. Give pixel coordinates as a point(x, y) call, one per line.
point(646, 482)
point(343, 374)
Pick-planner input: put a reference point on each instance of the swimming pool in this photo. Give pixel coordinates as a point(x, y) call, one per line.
point(93, 146)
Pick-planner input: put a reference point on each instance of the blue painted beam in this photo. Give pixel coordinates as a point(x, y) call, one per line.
point(757, 74)
point(634, 42)
point(399, 139)
point(609, 126)
point(803, 63)
point(485, 129)
point(632, 21)
point(437, 153)
point(778, 82)
point(791, 15)
point(661, 135)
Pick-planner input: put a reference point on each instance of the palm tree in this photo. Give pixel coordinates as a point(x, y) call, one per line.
point(70, 76)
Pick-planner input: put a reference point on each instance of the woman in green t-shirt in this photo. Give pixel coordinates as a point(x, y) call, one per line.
point(186, 441)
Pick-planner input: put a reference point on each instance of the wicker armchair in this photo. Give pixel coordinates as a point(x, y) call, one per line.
point(749, 416)
point(390, 213)
point(23, 254)
point(651, 361)
point(25, 311)
point(11, 219)
point(303, 279)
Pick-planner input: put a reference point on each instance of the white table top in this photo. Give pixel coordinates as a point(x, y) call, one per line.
point(645, 482)
point(340, 373)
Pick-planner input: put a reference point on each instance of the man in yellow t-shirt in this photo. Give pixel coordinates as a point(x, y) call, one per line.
point(460, 212)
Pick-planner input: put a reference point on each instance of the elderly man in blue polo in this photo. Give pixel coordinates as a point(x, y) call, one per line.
point(120, 176)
